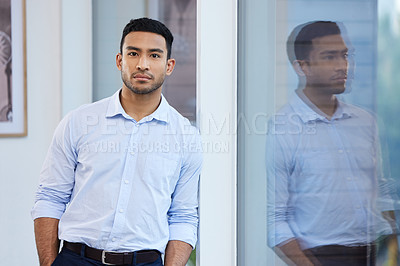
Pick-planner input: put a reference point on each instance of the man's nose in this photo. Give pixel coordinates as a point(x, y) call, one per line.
point(342, 64)
point(143, 63)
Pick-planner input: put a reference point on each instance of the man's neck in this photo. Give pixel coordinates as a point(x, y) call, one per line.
point(327, 103)
point(139, 105)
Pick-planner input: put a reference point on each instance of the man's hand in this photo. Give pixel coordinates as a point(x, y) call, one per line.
point(292, 254)
point(47, 242)
point(177, 253)
point(392, 243)
point(393, 250)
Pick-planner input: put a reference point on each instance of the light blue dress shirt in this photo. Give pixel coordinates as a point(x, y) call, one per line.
point(324, 179)
point(121, 185)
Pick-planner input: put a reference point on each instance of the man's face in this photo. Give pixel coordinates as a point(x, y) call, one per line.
point(327, 66)
point(143, 62)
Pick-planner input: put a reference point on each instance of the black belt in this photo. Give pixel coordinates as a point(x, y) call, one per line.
point(113, 258)
point(361, 254)
point(343, 250)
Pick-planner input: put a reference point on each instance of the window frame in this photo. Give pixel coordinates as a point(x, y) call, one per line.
point(217, 106)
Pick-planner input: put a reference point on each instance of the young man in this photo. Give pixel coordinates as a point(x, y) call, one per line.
point(119, 184)
point(327, 202)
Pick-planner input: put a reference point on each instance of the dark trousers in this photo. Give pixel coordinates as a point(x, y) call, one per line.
point(335, 255)
point(68, 258)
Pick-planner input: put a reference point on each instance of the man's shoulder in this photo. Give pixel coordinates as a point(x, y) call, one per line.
point(284, 114)
point(360, 112)
point(179, 122)
point(284, 109)
point(84, 115)
point(97, 106)
point(89, 111)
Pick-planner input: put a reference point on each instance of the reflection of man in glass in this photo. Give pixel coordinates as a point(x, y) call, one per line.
point(327, 202)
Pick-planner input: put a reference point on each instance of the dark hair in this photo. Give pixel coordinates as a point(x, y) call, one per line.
point(299, 43)
point(148, 25)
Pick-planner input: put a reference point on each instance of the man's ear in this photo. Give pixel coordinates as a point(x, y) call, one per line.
point(170, 66)
point(301, 67)
point(118, 61)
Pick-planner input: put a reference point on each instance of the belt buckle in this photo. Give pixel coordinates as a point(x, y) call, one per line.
point(103, 258)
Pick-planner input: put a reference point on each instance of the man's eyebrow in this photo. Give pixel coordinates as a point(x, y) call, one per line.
point(133, 48)
point(152, 50)
point(335, 51)
point(156, 50)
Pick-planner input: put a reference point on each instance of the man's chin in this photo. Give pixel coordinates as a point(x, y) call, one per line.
point(339, 90)
point(143, 91)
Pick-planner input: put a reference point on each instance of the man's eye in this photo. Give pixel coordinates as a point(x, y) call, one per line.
point(329, 57)
point(132, 53)
point(155, 56)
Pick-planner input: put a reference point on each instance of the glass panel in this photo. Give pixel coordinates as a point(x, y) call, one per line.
point(320, 175)
point(388, 84)
point(256, 100)
point(388, 81)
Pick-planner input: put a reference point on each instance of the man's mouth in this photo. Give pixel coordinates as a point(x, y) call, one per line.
point(340, 78)
point(142, 77)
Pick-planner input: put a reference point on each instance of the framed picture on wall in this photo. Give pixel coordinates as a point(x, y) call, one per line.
point(13, 109)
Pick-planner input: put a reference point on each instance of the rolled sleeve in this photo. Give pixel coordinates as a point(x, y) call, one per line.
point(183, 216)
point(45, 208)
point(183, 232)
point(57, 175)
point(278, 174)
point(387, 196)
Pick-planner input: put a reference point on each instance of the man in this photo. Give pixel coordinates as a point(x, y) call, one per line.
point(120, 182)
point(327, 201)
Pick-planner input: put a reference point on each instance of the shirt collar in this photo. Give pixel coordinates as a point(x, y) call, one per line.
point(161, 113)
point(115, 108)
point(307, 111)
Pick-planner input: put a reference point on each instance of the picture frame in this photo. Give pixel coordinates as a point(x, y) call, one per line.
point(13, 92)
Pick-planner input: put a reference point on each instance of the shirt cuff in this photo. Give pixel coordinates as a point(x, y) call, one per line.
point(183, 232)
point(279, 235)
point(43, 208)
point(285, 242)
point(386, 204)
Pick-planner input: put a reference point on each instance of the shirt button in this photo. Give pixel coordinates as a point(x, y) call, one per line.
point(121, 210)
point(132, 153)
point(114, 239)
point(126, 181)
point(340, 151)
point(349, 178)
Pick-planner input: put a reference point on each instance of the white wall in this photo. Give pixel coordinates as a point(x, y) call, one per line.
point(21, 158)
point(76, 53)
